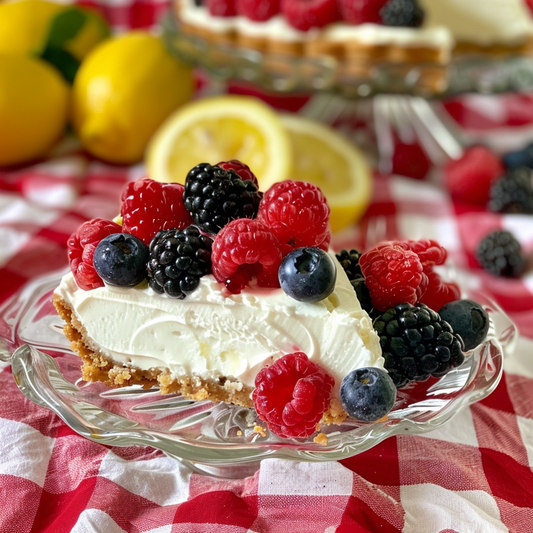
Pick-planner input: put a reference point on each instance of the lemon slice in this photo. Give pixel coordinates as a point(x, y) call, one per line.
point(323, 156)
point(217, 129)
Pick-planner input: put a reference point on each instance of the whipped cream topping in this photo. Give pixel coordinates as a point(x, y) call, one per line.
point(446, 22)
point(210, 335)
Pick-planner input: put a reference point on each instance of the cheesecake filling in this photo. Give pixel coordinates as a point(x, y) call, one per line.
point(211, 334)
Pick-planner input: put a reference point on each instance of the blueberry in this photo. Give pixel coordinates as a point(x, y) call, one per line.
point(519, 158)
point(307, 274)
point(121, 259)
point(367, 394)
point(468, 319)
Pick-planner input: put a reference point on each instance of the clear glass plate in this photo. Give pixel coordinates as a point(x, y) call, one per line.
point(285, 74)
point(218, 439)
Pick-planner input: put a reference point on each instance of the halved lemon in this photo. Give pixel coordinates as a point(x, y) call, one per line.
point(323, 156)
point(217, 129)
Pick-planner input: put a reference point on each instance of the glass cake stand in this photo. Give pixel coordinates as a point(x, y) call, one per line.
point(221, 440)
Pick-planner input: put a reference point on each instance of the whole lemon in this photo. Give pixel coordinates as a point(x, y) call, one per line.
point(26, 25)
point(34, 103)
point(123, 91)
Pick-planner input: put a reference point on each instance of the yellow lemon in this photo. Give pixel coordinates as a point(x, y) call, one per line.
point(34, 101)
point(323, 156)
point(125, 88)
point(25, 27)
point(218, 129)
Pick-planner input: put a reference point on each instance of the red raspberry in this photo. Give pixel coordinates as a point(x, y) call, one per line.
point(360, 11)
point(297, 213)
point(469, 179)
point(149, 206)
point(306, 14)
point(222, 8)
point(258, 10)
point(393, 274)
point(242, 170)
point(81, 246)
point(438, 292)
point(245, 249)
point(292, 394)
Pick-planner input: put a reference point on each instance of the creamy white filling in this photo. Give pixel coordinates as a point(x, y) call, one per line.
point(446, 22)
point(211, 335)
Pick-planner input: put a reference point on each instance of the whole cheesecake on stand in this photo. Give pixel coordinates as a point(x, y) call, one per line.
point(364, 34)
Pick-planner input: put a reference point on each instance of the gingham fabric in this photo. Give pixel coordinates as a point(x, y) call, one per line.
point(474, 474)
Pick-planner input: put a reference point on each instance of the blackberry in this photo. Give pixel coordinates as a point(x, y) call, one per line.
point(349, 261)
point(501, 254)
point(178, 259)
point(513, 193)
point(417, 343)
point(214, 196)
point(402, 13)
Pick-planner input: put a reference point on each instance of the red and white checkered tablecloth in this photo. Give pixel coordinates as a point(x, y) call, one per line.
point(474, 474)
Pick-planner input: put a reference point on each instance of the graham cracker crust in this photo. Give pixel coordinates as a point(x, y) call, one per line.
point(96, 367)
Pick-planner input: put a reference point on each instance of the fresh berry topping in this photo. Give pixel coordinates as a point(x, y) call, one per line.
point(513, 193)
point(393, 274)
point(349, 261)
point(306, 14)
point(367, 394)
point(215, 196)
point(501, 254)
point(417, 343)
point(81, 246)
point(468, 320)
point(297, 213)
point(469, 178)
point(519, 158)
point(149, 206)
point(120, 259)
point(361, 11)
point(292, 395)
point(242, 170)
point(439, 292)
point(258, 10)
point(243, 250)
point(402, 13)
point(222, 8)
point(178, 259)
point(307, 274)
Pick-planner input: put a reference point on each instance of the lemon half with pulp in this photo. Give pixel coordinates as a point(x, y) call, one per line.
point(217, 129)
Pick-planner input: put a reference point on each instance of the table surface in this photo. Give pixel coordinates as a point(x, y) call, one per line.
point(473, 474)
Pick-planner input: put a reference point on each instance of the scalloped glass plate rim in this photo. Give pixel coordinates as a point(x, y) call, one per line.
point(38, 376)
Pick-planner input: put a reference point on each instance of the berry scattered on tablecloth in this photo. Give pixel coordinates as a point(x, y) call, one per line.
point(513, 192)
point(469, 178)
point(120, 259)
point(501, 254)
point(367, 394)
point(519, 158)
point(292, 394)
point(417, 343)
point(468, 319)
